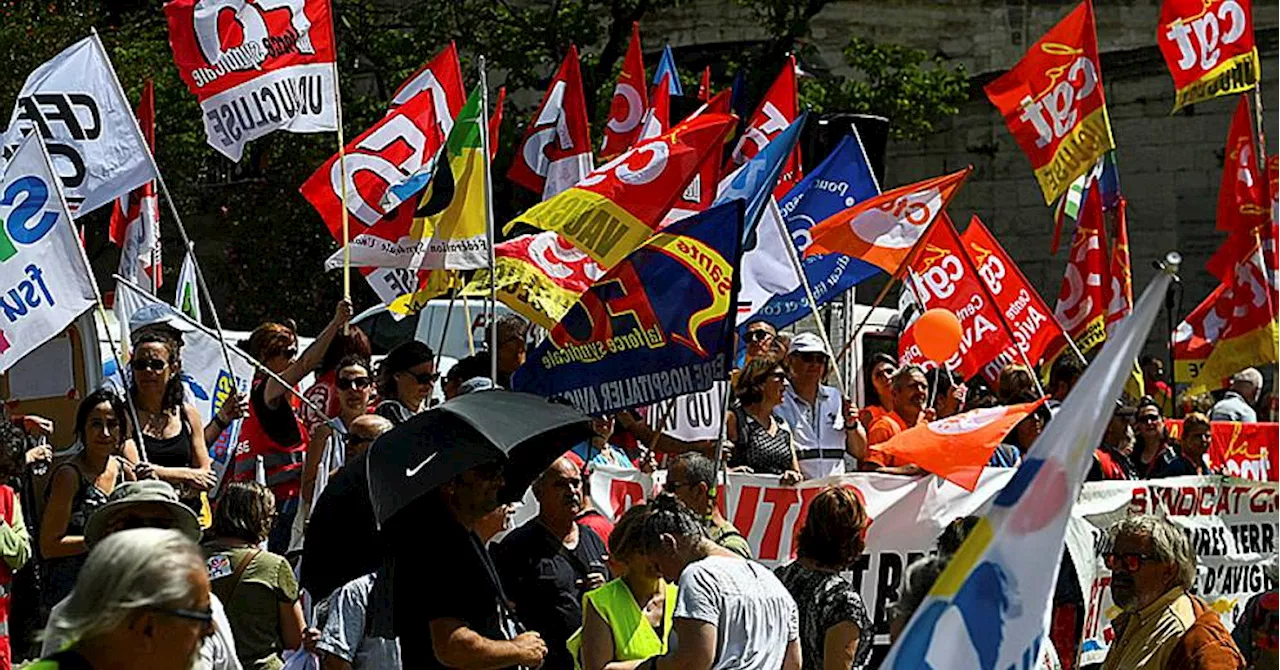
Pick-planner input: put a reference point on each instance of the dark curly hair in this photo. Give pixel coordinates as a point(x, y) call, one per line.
point(664, 515)
point(750, 387)
point(353, 343)
point(834, 529)
point(96, 398)
point(13, 449)
point(173, 396)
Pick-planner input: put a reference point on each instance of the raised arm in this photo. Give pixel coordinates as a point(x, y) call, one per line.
point(310, 359)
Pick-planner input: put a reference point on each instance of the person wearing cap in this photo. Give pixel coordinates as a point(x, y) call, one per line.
point(151, 503)
point(511, 350)
point(1237, 404)
point(824, 426)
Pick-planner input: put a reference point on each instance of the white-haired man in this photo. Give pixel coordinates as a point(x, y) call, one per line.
point(1162, 625)
point(141, 601)
point(1237, 404)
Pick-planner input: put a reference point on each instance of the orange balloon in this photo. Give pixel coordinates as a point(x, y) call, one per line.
point(938, 334)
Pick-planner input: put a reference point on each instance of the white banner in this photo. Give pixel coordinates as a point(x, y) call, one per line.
point(204, 368)
point(44, 277)
point(299, 99)
point(1232, 524)
point(75, 102)
point(693, 417)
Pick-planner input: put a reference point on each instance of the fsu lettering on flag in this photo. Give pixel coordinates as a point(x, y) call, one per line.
point(256, 67)
point(657, 326)
point(615, 208)
point(1053, 103)
point(1209, 48)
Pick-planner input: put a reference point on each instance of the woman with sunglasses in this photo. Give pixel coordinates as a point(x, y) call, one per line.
point(175, 449)
point(323, 393)
point(761, 442)
point(878, 391)
point(354, 391)
point(273, 429)
point(1155, 451)
point(405, 379)
point(81, 485)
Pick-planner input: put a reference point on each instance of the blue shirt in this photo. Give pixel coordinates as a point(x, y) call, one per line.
point(1233, 407)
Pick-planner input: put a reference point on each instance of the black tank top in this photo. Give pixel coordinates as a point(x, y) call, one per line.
point(171, 452)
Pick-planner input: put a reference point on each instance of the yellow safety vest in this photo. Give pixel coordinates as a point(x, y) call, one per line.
point(633, 638)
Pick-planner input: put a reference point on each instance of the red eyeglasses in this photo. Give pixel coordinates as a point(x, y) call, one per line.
point(1127, 562)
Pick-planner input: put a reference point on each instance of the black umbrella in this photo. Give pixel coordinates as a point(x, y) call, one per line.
point(342, 540)
point(521, 430)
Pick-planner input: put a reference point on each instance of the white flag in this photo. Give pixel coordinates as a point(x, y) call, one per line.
point(45, 281)
point(990, 607)
point(767, 269)
point(75, 102)
point(187, 296)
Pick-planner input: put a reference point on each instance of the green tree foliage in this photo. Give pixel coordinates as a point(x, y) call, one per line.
point(262, 245)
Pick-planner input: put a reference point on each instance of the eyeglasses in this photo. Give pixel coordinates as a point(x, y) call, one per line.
point(812, 357)
point(152, 364)
point(424, 377)
point(348, 383)
point(1125, 562)
point(758, 335)
point(204, 617)
point(290, 353)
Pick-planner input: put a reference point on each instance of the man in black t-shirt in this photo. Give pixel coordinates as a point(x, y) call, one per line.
point(450, 609)
point(550, 562)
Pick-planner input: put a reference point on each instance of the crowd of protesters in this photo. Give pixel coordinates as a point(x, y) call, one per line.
point(144, 558)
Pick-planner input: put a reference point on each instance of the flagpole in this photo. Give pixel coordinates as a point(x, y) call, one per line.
point(173, 211)
point(342, 165)
point(444, 332)
point(102, 312)
point(808, 292)
point(471, 338)
point(483, 121)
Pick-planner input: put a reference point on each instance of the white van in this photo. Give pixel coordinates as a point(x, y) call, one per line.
point(51, 380)
point(461, 322)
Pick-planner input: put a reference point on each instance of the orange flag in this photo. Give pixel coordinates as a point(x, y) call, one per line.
point(958, 447)
point(1119, 287)
point(883, 230)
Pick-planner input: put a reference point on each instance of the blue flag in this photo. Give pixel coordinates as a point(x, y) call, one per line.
point(841, 181)
point(755, 180)
point(657, 326)
point(667, 65)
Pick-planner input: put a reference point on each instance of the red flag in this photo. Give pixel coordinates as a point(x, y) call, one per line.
point(495, 122)
point(1242, 196)
point(556, 151)
point(1194, 338)
point(442, 75)
point(943, 276)
point(1119, 293)
point(776, 112)
point(616, 208)
point(701, 190)
point(1052, 102)
point(1209, 48)
point(627, 109)
point(539, 276)
point(883, 230)
point(1035, 330)
point(256, 67)
point(135, 216)
point(704, 86)
point(1081, 308)
point(958, 447)
point(1246, 450)
point(657, 119)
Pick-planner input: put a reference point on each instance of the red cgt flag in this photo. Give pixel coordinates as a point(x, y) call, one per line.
point(1119, 282)
point(776, 112)
point(613, 210)
point(556, 151)
point(135, 216)
point(1209, 48)
point(442, 76)
point(1081, 307)
point(1242, 196)
point(958, 447)
point(1053, 103)
point(883, 230)
point(627, 109)
point(539, 276)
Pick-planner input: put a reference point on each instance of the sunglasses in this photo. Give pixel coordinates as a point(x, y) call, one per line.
point(204, 617)
point(1125, 562)
point(348, 383)
point(812, 357)
point(758, 335)
point(290, 353)
point(1149, 418)
point(423, 377)
point(152, 364)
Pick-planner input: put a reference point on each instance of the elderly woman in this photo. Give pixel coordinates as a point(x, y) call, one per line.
point(835, 630)
point(762, 442)
point(141, 602)
point(257, 586)
point(1162, 625)
point(629, 618)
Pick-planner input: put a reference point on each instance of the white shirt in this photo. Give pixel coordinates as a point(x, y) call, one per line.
point(817, 430)
point(754, 615)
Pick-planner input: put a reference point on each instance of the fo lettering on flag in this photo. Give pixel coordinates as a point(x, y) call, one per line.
point(1209, 48)
point(1053, 103)
point(276, 72)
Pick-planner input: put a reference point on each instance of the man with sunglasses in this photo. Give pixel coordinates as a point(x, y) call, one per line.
point(151, 503)
point(824, 425)
point(1162, 625)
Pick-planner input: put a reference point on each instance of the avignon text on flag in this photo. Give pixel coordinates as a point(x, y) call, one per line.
point(1209, 48)
point(256, 67)
point(1053, 103)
